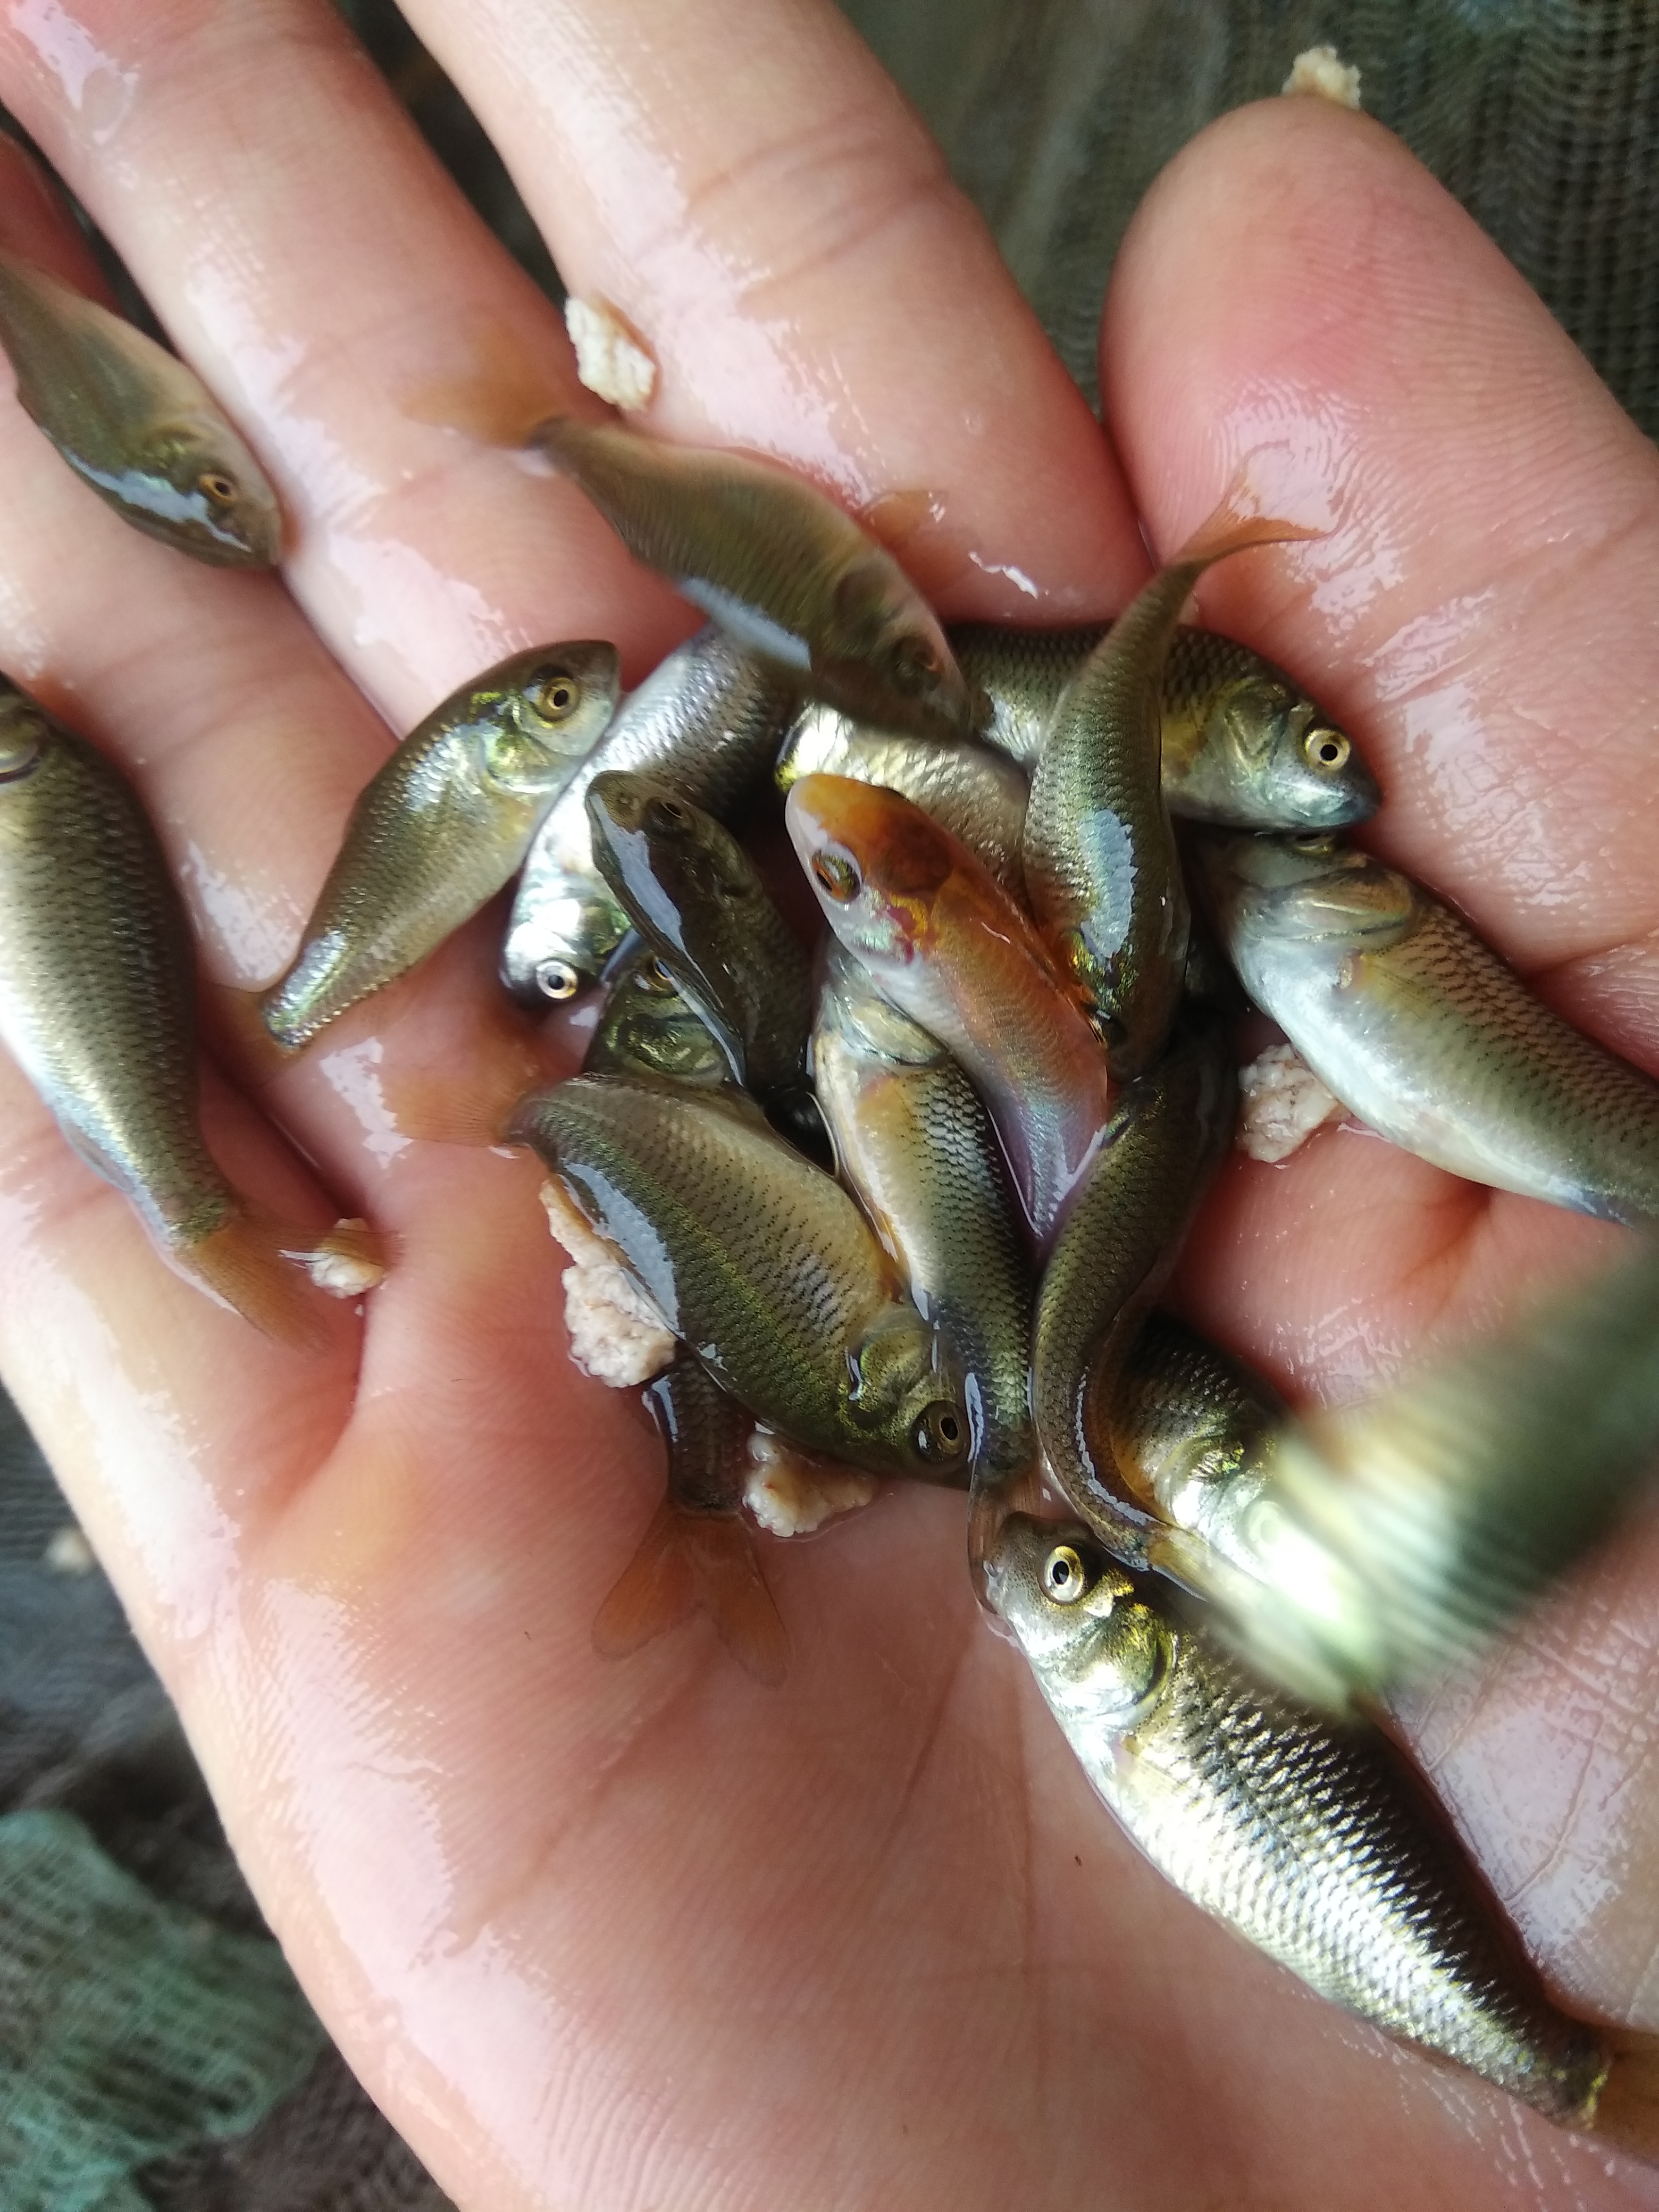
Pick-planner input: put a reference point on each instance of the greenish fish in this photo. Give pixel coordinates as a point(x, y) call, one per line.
point(1359, 1552)
point(136, 424)
point(442, 827)
point(1101, 870)
point(972, 791)
point(696, 898)
point(697, 1554)
point(704, 720)
point(98, 1007)
point(779, 564)
point(919, 1149)
point(1310, 1838)
point(1167, 1133)
point(647, 1027)
point(762, 1265)
point(1424, 1035)
point(1242, 744)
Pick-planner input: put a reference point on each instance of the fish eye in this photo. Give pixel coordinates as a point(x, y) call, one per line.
point(913, 663)
point(1065, 1578)
point(22, 742)
point(1318, 842)
point(655, 980)
point(668, 817)
point(557, 979)
point(837, 875)
point(215, 486)
point(556, 696)
point(1327, 749)
point(937, 1436)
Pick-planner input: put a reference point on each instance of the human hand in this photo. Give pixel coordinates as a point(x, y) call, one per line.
point(641, 1934)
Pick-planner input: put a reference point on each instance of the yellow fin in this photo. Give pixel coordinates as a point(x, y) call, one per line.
point(1228, 530)
point(688, 1561)
point(249, 1263)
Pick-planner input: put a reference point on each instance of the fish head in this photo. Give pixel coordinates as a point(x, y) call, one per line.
point(558, 948)
point(1309, 889)
point(876, 862)
point(195, 484)
point(883, 657)
point(648, 1028)
point(668, 860)
point(25, 736)
point(1078, 1617)
point(853, 1015)
point(539, 715)
point(909, 1409)
point(1300, 770)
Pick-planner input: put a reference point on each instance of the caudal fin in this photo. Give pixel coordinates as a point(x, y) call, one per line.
point(270, 1272)
point(691, 1561)
point(1626, 2113)
point(1232, 529)
point(501, 1061)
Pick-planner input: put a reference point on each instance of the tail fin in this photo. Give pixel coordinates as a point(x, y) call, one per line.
point(501, 1061)
point(1627, 2114)
point(255, 1052)
point(1230, 530)
point(691, 1560)
point(351, 1260)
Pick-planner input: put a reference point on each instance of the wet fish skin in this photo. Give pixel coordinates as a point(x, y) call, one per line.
point(697, 899)
point(1423, 1033)
point(947, 945)
point(705, 720)
point(1101, 871)
point(648, 1028)
point(1309, 1838)
point(136, 424)
point(442, 827)
point(1017, 676)
point(972, 789)
point(921, 1152)
point(1167, 1135)
point(760, 1264)
point(778, 563)
point(1190, 1429)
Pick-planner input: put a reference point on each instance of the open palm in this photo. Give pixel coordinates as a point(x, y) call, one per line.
point(643, 1934)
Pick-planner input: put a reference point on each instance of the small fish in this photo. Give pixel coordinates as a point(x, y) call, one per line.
point(697, 1554)
point(1166, 1136)
point(945, 944)
point(977, 794)
point(442, 827)
point(696, 898)
point(648, 1028)
point(1359, 1552)
point(1424, 1035)
point(1242, 744)
point(1310, 1838)
point(98, 1007)
point(778, 564)
point(136, 424)
point(919, 1149)
point(762, 1265)
point(1101, 871)
point(704, 720)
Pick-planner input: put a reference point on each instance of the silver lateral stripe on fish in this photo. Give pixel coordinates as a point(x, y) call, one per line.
point(776, 561)
point(134, 424)
point(440, 828)
point(919, 1149)
point(705, 720)
point(1307, 1837)
point(1423, 1032)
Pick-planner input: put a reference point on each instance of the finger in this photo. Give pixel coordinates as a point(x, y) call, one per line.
point(785, 238)
point(348, 314)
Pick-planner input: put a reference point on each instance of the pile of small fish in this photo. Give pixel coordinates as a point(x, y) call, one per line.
point(912, 1215)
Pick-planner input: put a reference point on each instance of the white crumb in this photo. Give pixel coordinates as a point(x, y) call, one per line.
point(791, 1494)
point(69, 1553)
point(1282, 1102)
point(1321, 73)
point(345, 1271)
point(609, 359)
point(616, 1334)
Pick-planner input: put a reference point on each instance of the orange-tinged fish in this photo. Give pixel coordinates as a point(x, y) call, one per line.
point(947, 945)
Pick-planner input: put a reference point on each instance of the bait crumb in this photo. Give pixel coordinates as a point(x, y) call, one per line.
point(69, 1553)
point(1282, 1102)
point(609, 359)
point(616, 1334)
point(1320, 73)
point(347, 1263)
point(790, 1495)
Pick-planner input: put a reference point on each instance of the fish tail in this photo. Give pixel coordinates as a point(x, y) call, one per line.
point(1626, 2111)
point(259, 1055)
point(270, 1272)
point(691, 1561)
point(1231, 530)
point(501, 1061)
